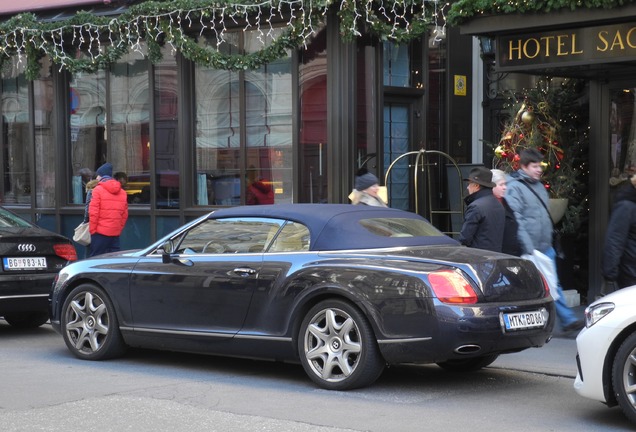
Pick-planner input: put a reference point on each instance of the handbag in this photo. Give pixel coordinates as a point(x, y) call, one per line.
point(82, 235)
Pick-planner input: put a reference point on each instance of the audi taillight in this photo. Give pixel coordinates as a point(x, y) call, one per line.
point(66, 251)
point(451, 287)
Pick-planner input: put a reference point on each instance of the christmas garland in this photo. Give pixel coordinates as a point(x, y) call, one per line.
point(87, 42)
point(463, 10)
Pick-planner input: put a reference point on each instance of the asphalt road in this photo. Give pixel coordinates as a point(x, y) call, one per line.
point(44, 388)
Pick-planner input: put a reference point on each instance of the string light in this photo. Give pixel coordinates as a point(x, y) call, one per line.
point(103, 40)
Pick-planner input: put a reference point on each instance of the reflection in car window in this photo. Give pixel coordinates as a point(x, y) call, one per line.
point(400, 227)
point(231, 235)
point(294, 237)
point(8, 219)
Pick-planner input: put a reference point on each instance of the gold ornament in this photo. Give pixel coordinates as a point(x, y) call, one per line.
point(527, 117)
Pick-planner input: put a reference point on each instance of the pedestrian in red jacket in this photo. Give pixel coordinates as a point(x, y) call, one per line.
point(108, 212)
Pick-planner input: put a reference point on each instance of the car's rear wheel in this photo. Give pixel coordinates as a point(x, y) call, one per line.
point(337, 347)
point(624, 377)
point(26, 320)
point(468, 365)
point(89, 324)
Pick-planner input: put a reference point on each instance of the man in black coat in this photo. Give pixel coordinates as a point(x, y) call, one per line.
point(484, 218)
point(619, 253)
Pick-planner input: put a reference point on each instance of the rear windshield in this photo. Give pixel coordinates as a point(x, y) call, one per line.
point(400, 227)
point(9, 220)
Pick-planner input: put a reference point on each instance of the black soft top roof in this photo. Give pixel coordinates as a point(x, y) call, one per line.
point(336, 226)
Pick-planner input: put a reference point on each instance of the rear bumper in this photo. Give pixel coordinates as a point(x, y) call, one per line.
point(468, 332)
point(21, 293)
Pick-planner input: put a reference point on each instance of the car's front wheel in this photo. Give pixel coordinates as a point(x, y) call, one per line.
point(26, 320)
point(89, 324)
point(337, 347)
point(624, 377)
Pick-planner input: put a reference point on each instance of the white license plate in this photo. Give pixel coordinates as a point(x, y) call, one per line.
point(525, 320)
point(24, 263)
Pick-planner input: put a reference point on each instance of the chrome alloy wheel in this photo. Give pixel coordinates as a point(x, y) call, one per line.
point(87, 322)
point(629, 378)
point(332, 344)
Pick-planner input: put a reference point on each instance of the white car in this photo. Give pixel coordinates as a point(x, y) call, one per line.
point(606, 357)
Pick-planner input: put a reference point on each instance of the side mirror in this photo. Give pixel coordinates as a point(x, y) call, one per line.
point(166, 250)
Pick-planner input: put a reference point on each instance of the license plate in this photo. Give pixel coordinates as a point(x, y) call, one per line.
point(24, 263)
point(525, 320)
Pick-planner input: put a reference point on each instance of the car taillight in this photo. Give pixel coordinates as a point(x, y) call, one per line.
point(546, 287)
point(451, 287)
point(66, 251)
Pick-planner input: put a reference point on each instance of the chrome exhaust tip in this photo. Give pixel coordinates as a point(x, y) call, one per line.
point(467, 349)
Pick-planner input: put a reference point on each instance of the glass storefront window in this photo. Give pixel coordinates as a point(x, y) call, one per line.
point(218, 131)
point(312, 82)
point(268, 123)
point(16, 148)
point(45, 148)
point(130, 125)
point(87, 111)
point(244, 130)
point(166, 131)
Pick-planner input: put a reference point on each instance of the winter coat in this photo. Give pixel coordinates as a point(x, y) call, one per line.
point(484, 220)
point(259, 192)
point(534, 222)
point(108, 208)
point(619, 252)
point(363, 198)
point(511, 244)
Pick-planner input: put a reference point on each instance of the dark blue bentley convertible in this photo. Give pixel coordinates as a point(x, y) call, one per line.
point(342, 289)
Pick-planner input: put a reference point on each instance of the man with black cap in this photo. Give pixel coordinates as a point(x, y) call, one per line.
point(107, 212)
point(484, 217)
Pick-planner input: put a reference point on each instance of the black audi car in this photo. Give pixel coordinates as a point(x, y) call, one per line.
point(342, 289)
point(31, 258)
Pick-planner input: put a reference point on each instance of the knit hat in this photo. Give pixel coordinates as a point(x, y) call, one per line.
point(365, 181)
point(105, 170)
point(482, 176)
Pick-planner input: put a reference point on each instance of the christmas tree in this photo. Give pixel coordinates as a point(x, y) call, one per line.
point(551, 117)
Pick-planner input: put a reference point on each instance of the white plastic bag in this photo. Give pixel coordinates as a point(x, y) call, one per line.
point(82, 235)
point(546, 266)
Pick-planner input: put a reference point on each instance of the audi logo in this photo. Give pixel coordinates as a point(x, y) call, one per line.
point(26, 247)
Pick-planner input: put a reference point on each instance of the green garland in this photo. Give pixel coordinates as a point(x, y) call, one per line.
point(103, 40)
point(463, 10)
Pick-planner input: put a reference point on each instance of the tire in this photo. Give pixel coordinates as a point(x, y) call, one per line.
point(89, 324)
point(26, 320)
point(468, 365)
point(624, 377)
point(337, 347)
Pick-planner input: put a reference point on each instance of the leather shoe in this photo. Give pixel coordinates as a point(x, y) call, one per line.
point(575, 325)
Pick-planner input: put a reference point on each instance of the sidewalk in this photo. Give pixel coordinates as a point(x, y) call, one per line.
point(557, 357)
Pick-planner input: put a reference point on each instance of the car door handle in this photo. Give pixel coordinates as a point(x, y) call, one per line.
point(244, 271)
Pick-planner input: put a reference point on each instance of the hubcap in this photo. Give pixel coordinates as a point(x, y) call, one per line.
point(87, 322)
point(629, 378)
point(332, 345)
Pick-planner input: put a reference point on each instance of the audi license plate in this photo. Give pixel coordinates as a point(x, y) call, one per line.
point(24, 263)
point(525, 320)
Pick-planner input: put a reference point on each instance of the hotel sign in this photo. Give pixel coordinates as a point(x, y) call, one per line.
point(571, 47)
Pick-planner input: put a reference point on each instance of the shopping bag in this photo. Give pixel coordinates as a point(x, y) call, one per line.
point(546, 266)
point(82, 235)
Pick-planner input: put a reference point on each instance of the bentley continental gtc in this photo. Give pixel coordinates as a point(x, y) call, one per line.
point(343, 290)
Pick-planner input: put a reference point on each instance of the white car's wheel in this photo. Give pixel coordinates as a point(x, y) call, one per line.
point(624, 377)
point(337, 347)
point(89, 324)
